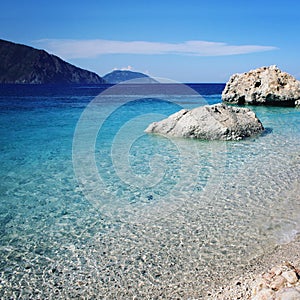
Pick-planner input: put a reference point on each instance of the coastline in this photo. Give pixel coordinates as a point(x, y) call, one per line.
point(241, 286)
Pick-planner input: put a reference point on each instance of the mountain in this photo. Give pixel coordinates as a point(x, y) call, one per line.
point(118, 76)
point(24, 64)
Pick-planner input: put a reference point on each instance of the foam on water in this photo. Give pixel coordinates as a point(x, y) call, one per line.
point(236, 201)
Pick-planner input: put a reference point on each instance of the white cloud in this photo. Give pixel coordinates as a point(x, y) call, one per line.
point(94, 48)
point(128, 68)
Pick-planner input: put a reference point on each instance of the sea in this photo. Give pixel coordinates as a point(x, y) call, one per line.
point(92, 207)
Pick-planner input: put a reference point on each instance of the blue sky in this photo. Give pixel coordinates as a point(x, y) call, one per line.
point(187, 41)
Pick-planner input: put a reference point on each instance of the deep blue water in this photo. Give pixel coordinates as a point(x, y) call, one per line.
point(92, 207)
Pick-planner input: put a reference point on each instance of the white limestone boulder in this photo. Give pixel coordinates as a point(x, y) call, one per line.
point(265, 85)
point(210, 122)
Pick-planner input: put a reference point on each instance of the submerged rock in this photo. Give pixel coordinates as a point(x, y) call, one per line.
point(265, 85)
point(211, 122)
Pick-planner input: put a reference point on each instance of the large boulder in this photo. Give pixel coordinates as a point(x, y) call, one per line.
point(265, 85)
point(210, 122)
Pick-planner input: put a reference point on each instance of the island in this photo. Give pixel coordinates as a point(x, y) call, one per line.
point(118, 76)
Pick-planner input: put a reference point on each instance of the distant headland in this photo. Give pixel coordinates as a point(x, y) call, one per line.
point(21, 64)
point(26, 65)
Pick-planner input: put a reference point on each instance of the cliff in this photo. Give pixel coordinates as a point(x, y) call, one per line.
point(24, 64)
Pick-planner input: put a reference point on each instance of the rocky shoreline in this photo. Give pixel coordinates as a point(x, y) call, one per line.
point(274, 275)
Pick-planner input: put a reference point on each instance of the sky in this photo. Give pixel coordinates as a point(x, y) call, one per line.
point(185, 41)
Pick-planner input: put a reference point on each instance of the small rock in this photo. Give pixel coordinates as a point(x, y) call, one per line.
point(268, 276)
point(260, 285)
point(288, 294)
point(264, 294)
point(80, 283)
point(278, 283)
point(290, 276)
point(276, 270)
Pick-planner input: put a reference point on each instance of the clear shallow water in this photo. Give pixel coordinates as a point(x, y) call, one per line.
point(162, 218)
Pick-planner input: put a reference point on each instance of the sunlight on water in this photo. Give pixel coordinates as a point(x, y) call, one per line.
point(170, 218)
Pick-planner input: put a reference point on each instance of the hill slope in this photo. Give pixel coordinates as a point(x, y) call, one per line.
point(24, 64)
point(118, 76)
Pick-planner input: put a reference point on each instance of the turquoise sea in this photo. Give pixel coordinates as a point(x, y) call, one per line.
point(93, 208)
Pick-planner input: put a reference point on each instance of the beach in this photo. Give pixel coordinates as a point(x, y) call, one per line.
point(242, 286)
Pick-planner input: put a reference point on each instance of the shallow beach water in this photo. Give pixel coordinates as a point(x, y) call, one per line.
point(100, 210)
